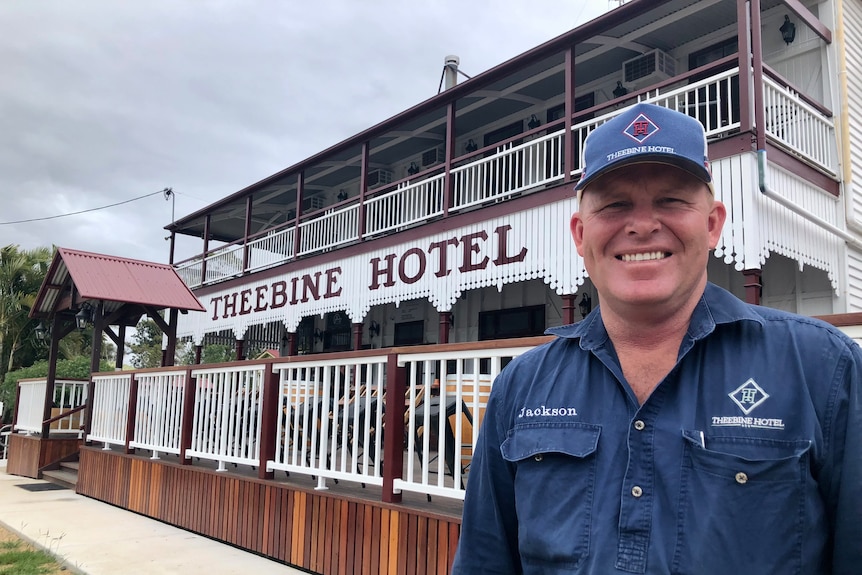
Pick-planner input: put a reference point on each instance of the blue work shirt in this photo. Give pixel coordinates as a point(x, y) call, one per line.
point(745, 459)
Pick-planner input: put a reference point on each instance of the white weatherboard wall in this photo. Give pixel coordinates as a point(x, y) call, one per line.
point(538, 243)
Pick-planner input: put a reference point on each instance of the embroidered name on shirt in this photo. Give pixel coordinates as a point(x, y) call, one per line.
point(543, 411)
point(739, 421)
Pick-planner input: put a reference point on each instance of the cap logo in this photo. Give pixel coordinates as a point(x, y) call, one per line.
point(641, 129)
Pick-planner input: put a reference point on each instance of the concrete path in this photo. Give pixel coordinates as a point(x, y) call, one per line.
point(94, 538)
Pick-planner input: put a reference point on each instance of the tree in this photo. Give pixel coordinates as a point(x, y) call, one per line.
point(21, 275)
point(146, 346)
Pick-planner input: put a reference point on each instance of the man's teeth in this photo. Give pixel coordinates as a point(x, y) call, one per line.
point(643, 257)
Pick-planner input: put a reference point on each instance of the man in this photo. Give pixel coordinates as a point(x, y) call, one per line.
point(675, 429)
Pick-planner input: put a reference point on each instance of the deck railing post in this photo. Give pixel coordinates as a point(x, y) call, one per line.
point(269, 412)
point(132, 415)
point(188, 417)
point(393, 438)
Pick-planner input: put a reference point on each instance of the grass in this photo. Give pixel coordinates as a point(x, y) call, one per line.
point(17, 558)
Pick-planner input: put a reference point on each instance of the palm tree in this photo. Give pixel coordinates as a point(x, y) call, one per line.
point(21, 274)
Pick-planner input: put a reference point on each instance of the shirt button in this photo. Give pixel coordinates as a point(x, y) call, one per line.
point(538, 457)
point(637, 491)
point(741, 478)
point(639, 425)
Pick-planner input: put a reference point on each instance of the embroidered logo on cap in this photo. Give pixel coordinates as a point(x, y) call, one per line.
point(748, 396)
point(641, 129)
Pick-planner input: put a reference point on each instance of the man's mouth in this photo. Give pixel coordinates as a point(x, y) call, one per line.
point(644, 257)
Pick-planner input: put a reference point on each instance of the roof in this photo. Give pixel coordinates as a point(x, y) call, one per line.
point(92, 276)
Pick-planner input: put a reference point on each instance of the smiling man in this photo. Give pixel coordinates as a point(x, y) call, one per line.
point(692, 433)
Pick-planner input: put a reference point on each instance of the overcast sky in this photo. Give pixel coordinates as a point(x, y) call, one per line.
point(104, 101)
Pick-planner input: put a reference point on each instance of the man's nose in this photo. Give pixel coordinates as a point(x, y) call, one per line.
point(643, 219)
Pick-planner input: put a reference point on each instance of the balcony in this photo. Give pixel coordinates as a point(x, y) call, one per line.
point(527, 163)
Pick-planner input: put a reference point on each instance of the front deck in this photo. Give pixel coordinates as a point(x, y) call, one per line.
point(351, 462)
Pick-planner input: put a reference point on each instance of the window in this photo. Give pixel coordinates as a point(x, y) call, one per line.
point(512, 322)
point(410, 333)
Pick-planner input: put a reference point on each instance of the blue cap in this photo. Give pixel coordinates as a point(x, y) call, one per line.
point(646, 133)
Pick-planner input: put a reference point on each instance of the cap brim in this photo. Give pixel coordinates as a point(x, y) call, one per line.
point(697, 170)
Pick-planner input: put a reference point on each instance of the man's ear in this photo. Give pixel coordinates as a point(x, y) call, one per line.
point(717, 216)
point(576, 225)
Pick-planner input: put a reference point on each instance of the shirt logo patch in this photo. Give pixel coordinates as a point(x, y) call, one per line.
point(748, 396)
point(641, 129)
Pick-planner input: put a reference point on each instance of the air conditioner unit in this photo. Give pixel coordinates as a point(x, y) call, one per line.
point(649, 68)
point(433, 156)
point(378, 178)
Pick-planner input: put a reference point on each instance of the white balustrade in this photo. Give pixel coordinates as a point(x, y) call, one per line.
point(272, 249)
point(110, 409)
point(513, 169)
point(332, 229)
point(224, 263)
point(227, 416)
point(410, 204)
point(330, 419)
point(444, 410)
point(31, 405)
point(159, 411)
point(190, 272)
point(800, 127)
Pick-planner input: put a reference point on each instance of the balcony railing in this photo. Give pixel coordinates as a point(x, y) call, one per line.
point(68, 395)
point(517, 167)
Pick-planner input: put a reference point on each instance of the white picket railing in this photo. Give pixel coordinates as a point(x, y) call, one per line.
point(511, 170)
point(68, 394)
point(110, 409)
point(334, 228)
point(409, 204)
point(31, 405)
point(227, 416)
point(224, 263)
point(459, 391)
point(159, 411)
point(330, 419)
point(271, 249)
point(800, 127)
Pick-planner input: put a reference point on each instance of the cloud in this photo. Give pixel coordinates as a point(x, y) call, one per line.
point(107, 101)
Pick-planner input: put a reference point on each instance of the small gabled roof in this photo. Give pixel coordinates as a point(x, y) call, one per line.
point(86, 276)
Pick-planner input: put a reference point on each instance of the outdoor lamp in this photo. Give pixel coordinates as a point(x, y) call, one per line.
point(413, 169)
point(534, 122)
point(42, 332)
point(788, 30)
point(620, 90)
point(585, 305)
point(471, 146)
point(83, 317)
point(374, 328)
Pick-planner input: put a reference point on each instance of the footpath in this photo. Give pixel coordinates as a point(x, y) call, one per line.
point(94, 538)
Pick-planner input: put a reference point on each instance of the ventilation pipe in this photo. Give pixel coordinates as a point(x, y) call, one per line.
point(450, 71)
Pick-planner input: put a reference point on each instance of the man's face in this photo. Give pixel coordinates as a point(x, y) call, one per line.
point(645, 232)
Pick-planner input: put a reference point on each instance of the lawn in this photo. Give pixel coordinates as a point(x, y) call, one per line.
point(17, 557)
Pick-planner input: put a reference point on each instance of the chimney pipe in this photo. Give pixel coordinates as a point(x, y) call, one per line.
point(450, 64)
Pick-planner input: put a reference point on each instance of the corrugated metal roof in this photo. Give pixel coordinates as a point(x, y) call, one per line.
point(114, 279)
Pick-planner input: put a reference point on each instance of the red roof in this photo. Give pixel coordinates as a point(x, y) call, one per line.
point(114, 279)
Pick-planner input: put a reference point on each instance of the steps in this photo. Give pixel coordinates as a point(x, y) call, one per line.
point(66, 475)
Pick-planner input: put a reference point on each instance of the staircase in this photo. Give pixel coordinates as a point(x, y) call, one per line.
point(66, 475)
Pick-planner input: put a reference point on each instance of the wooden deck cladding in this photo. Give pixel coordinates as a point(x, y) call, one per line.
point(315, 530)
point(28, 455)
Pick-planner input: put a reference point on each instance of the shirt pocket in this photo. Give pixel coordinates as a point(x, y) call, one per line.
point(741, 503)
point(555, 473)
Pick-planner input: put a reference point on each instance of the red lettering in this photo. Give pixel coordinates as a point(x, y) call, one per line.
point(229, 305)
point(376, 272)
point(502, 242)
point(310, 286)
point(470, 248)
point(245, 305)
point(402, 265)
point(332, 275)
point(260, 303)
point(443, 269)
point(294, 299)
point(279, 295)
point(215, 301)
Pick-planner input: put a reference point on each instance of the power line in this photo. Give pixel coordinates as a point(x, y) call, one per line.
point(167, 192)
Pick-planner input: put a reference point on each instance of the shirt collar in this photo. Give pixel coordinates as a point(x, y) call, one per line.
point(716, 306)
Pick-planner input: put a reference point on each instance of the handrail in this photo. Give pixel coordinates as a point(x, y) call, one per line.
point(64, 414)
